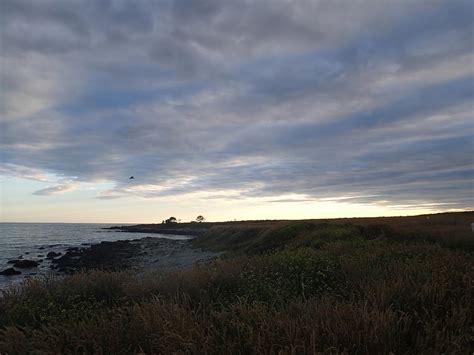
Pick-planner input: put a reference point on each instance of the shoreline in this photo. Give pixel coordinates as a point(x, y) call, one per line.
point(140, 255)
point(179, 229)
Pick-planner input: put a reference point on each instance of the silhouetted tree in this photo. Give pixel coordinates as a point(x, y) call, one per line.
point(200, 219)
point(171, 220)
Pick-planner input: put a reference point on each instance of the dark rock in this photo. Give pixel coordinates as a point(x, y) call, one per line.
point(52, 255)
point(12, 261)
point(10, 272)
point(112, 256)
point(74, 251)
point(25, 264)
point(40, 256)
point(195, 229)
point(41, 248)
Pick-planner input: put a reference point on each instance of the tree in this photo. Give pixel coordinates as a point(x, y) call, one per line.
point(171, 220)
point(200, 219)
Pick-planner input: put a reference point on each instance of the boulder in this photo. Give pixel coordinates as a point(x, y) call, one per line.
point(25, 264)
point(74, 251)
point(9, 272)
point(52, 255)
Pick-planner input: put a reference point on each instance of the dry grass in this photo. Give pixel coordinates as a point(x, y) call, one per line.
point(333, 289)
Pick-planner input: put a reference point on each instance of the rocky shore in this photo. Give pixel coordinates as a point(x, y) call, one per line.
point(144, 254)
point(194, 229)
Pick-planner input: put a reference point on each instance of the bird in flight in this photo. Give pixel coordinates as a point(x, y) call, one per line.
point(131, 177)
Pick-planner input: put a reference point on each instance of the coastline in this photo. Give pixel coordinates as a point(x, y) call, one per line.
point(191, 229)
point(397, 279)
point(139, 255)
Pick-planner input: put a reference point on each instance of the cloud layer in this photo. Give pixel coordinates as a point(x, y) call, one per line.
point(362, 101)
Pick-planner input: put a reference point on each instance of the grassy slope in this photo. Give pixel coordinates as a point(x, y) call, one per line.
point(447, 229)
point(294, 287)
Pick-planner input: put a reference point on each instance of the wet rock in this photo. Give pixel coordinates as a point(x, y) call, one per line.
point(112, 256)
point(52, 255)
point(25, 264)
point(12, 261)
point(74, 251)
point(10, 272)
point(41, 248)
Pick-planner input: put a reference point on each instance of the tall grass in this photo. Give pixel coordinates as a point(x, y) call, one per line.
point(335, 289)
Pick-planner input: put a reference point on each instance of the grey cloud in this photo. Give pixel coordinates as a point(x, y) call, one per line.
point(357, 100)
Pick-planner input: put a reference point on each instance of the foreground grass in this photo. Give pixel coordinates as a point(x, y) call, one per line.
point(297, 288)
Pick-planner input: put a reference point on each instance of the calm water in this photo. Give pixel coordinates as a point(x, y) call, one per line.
point(35, 240)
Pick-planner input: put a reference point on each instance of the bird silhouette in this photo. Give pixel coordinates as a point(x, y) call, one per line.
point(131, 177)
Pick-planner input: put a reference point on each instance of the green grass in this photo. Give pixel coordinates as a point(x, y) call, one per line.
point(296, 288)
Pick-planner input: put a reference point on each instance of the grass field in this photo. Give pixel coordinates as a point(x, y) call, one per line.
point(363, 286)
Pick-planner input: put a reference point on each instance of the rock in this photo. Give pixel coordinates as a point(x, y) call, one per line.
point(111, 256)
point(74, 251)
point(41, 248)
point(25, 264)
point(12, 261)
point(10, 272)
point(40, 256)
point(52, 255)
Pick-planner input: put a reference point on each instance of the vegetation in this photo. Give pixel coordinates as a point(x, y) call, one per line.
point(287, 287)
point(170, 220)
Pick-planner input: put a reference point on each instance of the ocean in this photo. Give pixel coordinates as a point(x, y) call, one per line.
point(34, 240)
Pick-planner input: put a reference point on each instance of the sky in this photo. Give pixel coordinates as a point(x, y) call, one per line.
point(234, 109)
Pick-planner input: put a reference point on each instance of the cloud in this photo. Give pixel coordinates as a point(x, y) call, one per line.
point(63, 187)
point(368, 101)
point(24, 172)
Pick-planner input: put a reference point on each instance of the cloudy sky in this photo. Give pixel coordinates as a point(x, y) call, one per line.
point(235, 109)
